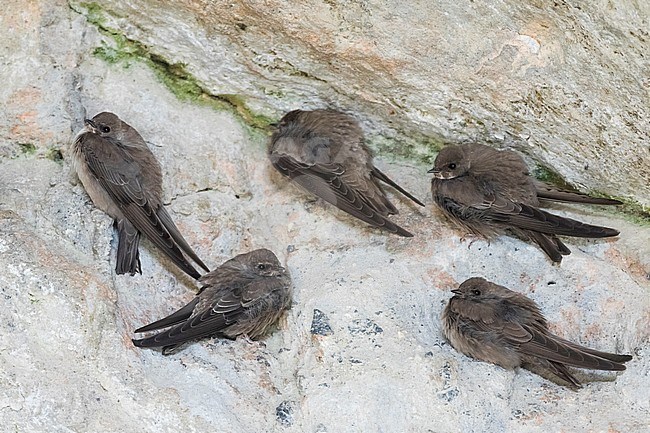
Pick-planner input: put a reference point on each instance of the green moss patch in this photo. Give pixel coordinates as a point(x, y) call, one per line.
point(174, 76)
point(54, 154)
point(27, 148)
point(119, 49)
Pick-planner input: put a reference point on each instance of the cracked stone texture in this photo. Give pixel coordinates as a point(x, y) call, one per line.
point(568, 85)
point(67, 363)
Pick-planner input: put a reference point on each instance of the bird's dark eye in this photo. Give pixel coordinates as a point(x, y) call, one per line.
point(476, 292)
point(105, 129)
point(452, 166)
point(261, 266)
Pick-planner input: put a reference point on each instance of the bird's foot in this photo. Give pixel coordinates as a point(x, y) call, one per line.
point(245, 338)
point(472, 238)
point(249, 341)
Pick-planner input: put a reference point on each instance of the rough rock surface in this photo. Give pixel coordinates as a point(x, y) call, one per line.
point(567, 84)
point(361, 350)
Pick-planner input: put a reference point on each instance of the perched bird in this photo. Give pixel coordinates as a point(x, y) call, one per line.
point(494, 324)
point(124, 179)
point(489, 192)
point(324, 152)
point(244, 296)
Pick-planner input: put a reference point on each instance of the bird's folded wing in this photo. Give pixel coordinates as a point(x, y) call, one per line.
point(326, 181)
point(605, 355)
point(368, 190)
point(215, 317)
point(174, 318)
point(547, 347)
point(549, 192)
point(167, 221)
point(530, 218)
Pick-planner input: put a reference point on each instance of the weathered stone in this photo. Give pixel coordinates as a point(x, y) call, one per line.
point(565, 84)
point(67, 362)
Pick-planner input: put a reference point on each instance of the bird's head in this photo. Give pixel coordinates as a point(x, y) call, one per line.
point(478, 289)
point(288, 119)
point(263, 263)
point(110, 126)
point(450, 163)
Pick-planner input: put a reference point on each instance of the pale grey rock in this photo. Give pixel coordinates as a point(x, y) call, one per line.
point(567, 84)
point(67, 362)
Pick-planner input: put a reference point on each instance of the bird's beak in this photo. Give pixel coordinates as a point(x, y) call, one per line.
point(456, 291)
point(279, 271)
point(274, 124)
point(436, 173)
point(90, 125)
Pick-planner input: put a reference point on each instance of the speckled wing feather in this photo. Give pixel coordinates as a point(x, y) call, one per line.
point(327, 181)
point(115, 171)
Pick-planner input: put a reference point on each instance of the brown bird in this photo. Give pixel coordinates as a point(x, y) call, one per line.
point(494, 324)
point(244, 296)
point(489, 192)
point(324, 152)
point(124, 179)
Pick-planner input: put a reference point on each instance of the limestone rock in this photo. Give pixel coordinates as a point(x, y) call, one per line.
point(565, 84)
point(378, 361)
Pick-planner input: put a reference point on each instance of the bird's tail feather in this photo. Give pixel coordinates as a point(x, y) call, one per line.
point(128, 255)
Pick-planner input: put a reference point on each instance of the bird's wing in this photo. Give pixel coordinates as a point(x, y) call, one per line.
point(500, 209)
point(225, 307)
point(531, 218)
point(549, 192)
point(381, 176)
point(605, 355)
point(331, 183)
point(121, 178)
point(178, 237)
point(547, 346)
point(473, 199)
point(174, 318)
point(367, 188)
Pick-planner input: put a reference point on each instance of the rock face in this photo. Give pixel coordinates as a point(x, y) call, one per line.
point(361, 350)
point(567, 85)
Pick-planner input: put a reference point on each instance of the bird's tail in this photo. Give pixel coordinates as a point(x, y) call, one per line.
point(552, 246)
point(128, 256)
